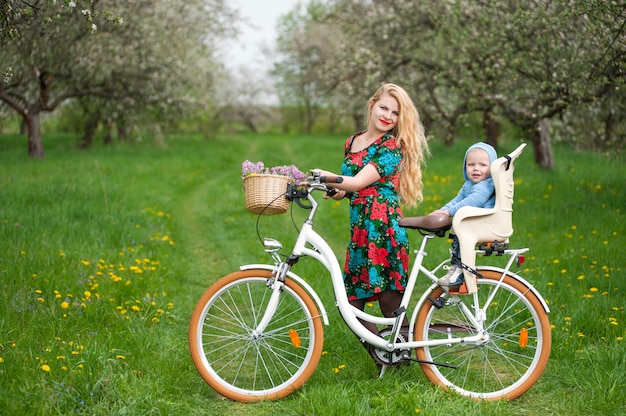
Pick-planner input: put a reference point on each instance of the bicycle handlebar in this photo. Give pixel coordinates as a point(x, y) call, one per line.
point(315, 182)
point(316, 176)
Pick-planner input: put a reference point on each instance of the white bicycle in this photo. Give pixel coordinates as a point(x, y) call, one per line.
point(257, 334)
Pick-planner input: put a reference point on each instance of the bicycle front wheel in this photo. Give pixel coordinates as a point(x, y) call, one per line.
point(516, 349)
point(244, 365)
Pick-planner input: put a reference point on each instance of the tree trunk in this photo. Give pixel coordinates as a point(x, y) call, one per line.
point(448, 137)
point(604, 140)
point(491, 127)
point(542, 146)
point(108, 138)
point(90, 132)
point(357, 119)
point(35, 144)
point(122, 131)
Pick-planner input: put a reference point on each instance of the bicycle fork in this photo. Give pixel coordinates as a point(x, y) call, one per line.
point(275, 283)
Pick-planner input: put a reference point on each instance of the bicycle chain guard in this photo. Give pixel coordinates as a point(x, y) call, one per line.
point(382, 357)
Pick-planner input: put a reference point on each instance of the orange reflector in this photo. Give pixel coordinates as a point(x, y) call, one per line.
point(523, 337)
point(295, 338)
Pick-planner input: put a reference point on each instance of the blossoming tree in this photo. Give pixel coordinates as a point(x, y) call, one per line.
point(147, 55)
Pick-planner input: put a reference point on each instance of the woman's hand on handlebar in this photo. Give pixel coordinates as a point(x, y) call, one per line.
point(337, 194)
point(325, 176)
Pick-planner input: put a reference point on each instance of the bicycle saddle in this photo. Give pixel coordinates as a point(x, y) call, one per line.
point(433, 223)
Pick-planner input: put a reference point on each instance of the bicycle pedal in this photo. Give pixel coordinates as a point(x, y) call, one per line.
point(458, 290)
point(438, 303)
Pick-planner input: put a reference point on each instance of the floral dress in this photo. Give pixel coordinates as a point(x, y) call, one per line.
point(377, 256)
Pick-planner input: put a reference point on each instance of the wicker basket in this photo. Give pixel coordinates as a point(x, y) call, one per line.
point(265, 194)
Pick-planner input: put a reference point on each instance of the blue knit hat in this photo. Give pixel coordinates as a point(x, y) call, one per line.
point(484, 146)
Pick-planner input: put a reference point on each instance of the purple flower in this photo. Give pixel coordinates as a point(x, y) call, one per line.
point(258, 168)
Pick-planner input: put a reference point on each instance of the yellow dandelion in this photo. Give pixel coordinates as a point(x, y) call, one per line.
point(85, 262)
point(65, 305)
point(135, 308)
point(1, 360)
point(581, 277)
point(45, 367)
point(556, 261)
point(120, 357)
point(593, 289)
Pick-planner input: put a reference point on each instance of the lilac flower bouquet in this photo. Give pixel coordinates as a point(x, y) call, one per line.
point(248, 168)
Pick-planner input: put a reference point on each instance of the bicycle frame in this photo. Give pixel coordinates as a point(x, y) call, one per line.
point(323, 253)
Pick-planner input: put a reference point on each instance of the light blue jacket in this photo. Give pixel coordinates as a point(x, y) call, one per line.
point(481, 194)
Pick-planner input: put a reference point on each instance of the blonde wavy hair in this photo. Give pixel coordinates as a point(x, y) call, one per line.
point(409, 132)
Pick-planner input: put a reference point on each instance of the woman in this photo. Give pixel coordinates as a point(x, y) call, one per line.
point(381, 170)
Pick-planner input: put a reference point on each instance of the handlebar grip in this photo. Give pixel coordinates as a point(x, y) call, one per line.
point(331, 191)
point(331, 179)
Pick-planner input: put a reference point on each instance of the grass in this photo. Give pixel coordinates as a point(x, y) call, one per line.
point(104, 253)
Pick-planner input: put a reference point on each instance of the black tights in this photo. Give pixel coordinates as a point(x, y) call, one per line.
point(389, 301)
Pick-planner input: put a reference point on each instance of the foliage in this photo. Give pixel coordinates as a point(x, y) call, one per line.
point(529, 63)
point(105, 253)
point(119, 54)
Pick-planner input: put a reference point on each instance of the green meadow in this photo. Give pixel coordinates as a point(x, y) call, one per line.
point(104, 253)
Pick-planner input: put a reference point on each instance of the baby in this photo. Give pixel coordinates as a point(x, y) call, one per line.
point(477, 191)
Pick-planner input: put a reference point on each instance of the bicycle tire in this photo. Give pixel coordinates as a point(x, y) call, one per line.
point(512, 359)
point(246, 368)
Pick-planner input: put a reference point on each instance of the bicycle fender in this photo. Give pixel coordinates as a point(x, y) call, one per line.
point(521, 280)
point(298, 280)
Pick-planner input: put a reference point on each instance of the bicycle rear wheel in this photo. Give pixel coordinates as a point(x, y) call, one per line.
point(517, 347)
point(249, 367)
